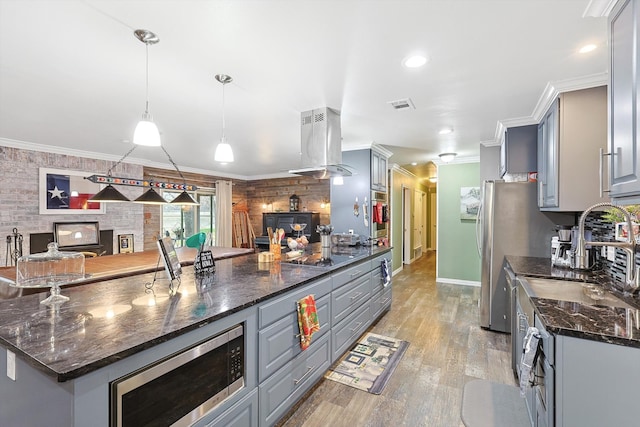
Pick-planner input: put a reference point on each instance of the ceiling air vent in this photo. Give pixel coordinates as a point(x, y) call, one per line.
point(402, 104)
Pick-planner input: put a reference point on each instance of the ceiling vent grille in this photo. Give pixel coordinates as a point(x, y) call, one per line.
point(402, 104)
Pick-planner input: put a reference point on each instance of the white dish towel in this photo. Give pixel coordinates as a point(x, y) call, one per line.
point(528, 359)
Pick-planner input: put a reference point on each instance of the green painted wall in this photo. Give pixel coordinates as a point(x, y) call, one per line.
point(458, 258)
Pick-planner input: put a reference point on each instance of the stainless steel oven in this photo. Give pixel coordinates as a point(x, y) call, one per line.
point(379, 219)
point(182, 388)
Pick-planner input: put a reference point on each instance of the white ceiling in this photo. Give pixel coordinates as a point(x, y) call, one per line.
point(72, 74)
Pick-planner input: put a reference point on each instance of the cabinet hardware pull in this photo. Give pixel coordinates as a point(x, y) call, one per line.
point(309, 369)
point(357, 327)
point(601, 171)
point(357, 294)
point(355, 273)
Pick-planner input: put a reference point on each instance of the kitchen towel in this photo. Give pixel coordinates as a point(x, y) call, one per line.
point(377, 213)
point(529, 357)
point(386, 275)
point(307, 320)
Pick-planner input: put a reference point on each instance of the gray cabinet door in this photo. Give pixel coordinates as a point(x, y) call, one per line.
point(623, 104)
point(548, 158)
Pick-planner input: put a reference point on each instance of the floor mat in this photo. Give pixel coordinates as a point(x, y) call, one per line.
point(489, 404)
point(369, 365)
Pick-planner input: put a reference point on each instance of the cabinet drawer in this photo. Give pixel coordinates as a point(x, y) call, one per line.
point(280, 343)
point(282, 389)
point(242, 414)
point(274, 310)
point(343, 277)
point(348, 297)
point(380, 302)
point(345, 334)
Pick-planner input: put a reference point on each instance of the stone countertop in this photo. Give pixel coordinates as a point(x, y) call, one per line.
point(613, 325)
point(94, 328)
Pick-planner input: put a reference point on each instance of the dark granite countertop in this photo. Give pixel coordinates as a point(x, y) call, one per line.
point(106, 321)
point(612, 325)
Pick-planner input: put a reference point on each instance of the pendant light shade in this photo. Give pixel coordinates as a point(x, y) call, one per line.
point(224, 153)
point(151, 197)
point(184, 199)
point(109, 194)
point(146, 132)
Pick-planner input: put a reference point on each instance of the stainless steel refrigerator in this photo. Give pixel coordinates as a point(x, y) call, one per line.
point(509, 223)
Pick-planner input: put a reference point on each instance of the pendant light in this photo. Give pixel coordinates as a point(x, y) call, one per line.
point(146, 132)
point(224, 153)
point(110, 194)
point(151, 197)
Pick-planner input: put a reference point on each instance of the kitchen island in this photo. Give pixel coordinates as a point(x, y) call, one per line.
point(587, 368)
point(68, 355)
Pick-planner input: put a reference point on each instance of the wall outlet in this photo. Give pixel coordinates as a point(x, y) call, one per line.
point(611, 253)
point(351, 231)
point(11, 365)
point(603, 251)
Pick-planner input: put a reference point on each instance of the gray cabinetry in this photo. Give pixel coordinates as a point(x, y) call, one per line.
point(596, 383)
point(518, 150)
point(570, 137)
point(378, 171)
point(242, 414)
point(623, 100)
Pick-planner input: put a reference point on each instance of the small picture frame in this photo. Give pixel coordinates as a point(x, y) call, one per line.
point(125, 243)
point(622, 231)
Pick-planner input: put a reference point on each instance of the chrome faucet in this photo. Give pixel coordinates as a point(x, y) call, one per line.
point(632, 280)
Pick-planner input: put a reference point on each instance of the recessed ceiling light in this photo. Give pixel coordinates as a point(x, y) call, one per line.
point(414, 163)
point(587, 48)
point(415, 61)
point(445, 131)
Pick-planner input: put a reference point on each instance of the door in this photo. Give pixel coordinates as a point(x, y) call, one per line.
point(406, 225)
point(433, 209)
point(418, 224)
point(623, 112)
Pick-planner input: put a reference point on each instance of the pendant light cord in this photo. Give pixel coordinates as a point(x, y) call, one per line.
point(223, 123)
point(146, 107)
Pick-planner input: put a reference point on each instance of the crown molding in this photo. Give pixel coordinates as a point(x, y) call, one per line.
point(23, 145)
point(548, 96)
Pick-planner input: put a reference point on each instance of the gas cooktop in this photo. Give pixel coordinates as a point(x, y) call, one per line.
point(318, 260)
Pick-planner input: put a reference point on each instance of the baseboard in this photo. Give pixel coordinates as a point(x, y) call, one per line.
point(458, 281)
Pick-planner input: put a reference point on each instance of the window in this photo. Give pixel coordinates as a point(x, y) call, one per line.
point(181, 222)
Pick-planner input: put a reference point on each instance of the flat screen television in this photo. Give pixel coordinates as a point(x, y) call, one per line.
point(76, 234)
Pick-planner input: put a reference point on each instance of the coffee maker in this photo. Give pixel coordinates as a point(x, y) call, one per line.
point(561, 247)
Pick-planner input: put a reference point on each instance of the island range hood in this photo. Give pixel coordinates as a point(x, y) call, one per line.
point(321, 144)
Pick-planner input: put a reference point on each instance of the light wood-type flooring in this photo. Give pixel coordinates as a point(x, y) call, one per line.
point(447, 349)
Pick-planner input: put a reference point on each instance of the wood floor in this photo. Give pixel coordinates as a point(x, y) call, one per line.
point(447, 349)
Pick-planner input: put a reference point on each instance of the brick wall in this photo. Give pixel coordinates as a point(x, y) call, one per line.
point(312, 193)
point(19, 196)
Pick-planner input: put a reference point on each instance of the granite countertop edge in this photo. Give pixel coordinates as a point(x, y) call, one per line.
point(603, 324)
point(288, 277)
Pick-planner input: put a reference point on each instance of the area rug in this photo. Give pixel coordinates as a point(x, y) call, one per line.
point(369, 365)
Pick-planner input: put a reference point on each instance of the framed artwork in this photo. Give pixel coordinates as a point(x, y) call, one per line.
point(64, 191)
point(125, 243)
point(469, 202)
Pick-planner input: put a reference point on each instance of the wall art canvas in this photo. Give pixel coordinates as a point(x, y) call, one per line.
point(67, 192)
point(469, 202)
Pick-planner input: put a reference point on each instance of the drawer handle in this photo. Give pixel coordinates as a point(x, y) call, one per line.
point(384, 301)
point(357, 327)
point(355, 273)
point(309, 369)
point(357, 295)
point(521, 320)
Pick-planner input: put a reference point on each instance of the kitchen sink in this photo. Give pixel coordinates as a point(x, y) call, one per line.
point(566, 290)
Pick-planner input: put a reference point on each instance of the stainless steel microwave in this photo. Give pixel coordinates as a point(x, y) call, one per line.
point(181, 389)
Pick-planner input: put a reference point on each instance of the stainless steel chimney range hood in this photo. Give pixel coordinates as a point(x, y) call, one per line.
point(321, 144)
